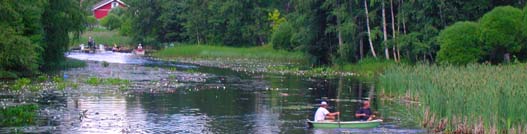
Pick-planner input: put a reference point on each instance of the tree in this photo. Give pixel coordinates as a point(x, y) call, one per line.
point(276, 19)
point(385, 32)
point(91, 21)
point(281, 37)
point(369, 31)
point(20, 37)
point(17, 53)
point(60, 17)
point(502, 30)
point(111, 21)
point(460, 44)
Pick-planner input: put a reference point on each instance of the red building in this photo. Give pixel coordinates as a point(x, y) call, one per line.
point(101, 9)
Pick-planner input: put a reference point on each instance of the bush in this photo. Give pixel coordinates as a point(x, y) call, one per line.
point(460, 44)
point(17, 54)
point(91, 21)
point(502, 31)
point(281, 37)
point(111, 22)
point(126, 26)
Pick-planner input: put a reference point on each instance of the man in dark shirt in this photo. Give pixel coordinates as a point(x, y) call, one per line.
point(364, 113)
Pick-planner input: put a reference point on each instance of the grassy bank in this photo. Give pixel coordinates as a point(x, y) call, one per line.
point(103, 36)
point(368, 67)
point(473, 98)
point(209, 51)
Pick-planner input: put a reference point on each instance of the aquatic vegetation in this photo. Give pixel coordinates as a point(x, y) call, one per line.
point(105, 64)
point(106, 81)
point(473, 98)
point(68, 63)
point(42, 78)
point(21, 84)
point(116, 81)
point(18, 115)
point(172, 77)
point(93, 81)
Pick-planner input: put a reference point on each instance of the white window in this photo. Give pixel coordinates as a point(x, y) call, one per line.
point(115, 4)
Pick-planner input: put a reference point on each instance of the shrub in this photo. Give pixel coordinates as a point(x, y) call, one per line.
point(111, 22)
point(460, 44)
point(281, 37)
point(502, 31)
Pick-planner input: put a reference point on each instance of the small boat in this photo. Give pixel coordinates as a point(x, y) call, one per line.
point(345, 124)
point(139, 51)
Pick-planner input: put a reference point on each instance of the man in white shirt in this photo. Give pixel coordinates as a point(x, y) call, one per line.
point(323, 114)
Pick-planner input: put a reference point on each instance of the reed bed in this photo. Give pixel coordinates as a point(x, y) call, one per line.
point(475, 98)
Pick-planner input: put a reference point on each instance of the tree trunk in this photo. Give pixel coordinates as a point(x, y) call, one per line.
point(385, 34)
point(339, 35)
point(361, 48)
point(404, 30)
point(369, 31)
point(393, 33)
point(507, 58)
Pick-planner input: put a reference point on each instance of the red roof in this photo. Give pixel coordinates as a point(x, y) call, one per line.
point(104, 2)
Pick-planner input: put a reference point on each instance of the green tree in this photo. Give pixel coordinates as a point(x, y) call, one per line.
point(281, 37)
point(276, 19)
point(91, 22)
point(502, 30)
point(460, 44)
point(21, 36)
point(59, 19)
point(111, 21)
point(126, 26)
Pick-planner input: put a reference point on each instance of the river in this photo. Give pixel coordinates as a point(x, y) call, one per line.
point(171, 97)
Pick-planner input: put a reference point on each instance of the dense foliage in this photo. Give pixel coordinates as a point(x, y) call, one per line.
point(460, 44)
point(499, 34)
point(35, 34)
point(329, 31)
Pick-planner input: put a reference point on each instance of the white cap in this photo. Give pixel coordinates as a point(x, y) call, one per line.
point(323, 103)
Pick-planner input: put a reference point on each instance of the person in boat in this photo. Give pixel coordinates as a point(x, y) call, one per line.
point(140, 47)
point(364, 113)
point(115, 48)
point(322, 113)
point(91, 43)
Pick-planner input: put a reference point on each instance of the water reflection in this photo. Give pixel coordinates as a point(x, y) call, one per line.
point(246, 103)
point(108, 56)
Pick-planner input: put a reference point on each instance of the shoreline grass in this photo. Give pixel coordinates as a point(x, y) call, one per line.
point(473, 98)
point(367, 68)
point(210, 51)
point(103, 36)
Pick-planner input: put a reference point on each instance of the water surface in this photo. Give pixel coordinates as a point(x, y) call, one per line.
point(171, 97)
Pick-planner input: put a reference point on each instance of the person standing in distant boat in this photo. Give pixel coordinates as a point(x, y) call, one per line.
point(364, 113)
point(140, 47)
point(91, 43)
point(322, 113)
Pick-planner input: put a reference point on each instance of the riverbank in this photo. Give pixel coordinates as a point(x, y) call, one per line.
point(265, 52)
point(265, 59)
point(476, 98)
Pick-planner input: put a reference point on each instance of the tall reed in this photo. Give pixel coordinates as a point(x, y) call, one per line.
point(477, 98)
